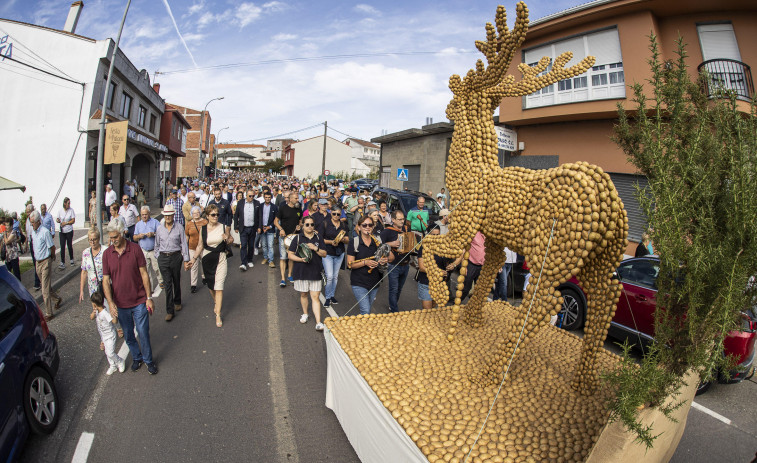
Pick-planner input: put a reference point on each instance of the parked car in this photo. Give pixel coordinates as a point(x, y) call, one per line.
point(28, 363)
point(406, 200)
point(634, 316)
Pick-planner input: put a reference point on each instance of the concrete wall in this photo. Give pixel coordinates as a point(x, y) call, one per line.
point(429, 151)
point(308, 157)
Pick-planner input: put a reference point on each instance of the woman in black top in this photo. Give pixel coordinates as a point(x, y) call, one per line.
point(379, 226)
point(364, 277)
point(307, 276)
point(334, 251)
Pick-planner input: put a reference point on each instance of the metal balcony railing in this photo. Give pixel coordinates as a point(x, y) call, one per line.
point(728, 75)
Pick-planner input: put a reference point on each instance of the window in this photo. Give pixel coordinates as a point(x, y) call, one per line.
point(174, 132)
point(11, 309)
point(142, 116)
point(718, 43)
point(153, 122)
point(604, 81)
point(126, 105)
point(641, 272)
point(111, 92)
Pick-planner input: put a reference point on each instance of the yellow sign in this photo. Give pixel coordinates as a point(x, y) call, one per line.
point(115, 142)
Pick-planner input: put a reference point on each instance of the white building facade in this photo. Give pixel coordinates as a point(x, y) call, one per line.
point(304, 159)
point(52, 92)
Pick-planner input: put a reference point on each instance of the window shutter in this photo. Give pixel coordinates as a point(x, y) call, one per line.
point(718, 42)
point(605, 46)
point(535, 54)
point(576, 45)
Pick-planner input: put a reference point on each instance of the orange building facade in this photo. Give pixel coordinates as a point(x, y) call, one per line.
point(573, 120)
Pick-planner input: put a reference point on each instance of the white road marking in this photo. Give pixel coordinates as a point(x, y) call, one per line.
point(82, 448)
point(285, 443)
point(715, 415)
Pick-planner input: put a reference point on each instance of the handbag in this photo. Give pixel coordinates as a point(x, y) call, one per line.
point(226, 246)
point(99, 281)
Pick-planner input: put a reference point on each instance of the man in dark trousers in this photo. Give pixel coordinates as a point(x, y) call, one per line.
point(224, 208)
point(246, 224)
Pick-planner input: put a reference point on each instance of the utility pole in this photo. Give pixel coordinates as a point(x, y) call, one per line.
point(323, 163)
point(101, 139)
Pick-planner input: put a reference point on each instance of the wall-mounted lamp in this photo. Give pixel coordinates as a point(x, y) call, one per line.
point(521, 145)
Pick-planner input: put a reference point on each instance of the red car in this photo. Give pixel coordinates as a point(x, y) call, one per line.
point(634, 317)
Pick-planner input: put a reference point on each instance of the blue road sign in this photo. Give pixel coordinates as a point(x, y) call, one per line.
point(402, 175)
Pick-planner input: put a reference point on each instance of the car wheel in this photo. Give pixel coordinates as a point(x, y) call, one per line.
point(703, 387)
point(41, 403)
point(573, 310)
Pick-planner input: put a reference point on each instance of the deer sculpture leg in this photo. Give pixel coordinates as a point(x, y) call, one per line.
point(602, 292)
point(494, 260)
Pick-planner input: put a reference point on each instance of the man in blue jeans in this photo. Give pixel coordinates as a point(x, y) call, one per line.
point(127, 288)
point(398, 270)
point(266, 216)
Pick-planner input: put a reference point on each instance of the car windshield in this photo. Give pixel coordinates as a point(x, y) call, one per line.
point(411, 201)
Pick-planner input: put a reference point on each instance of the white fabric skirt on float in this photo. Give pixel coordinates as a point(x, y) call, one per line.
point(373, 432)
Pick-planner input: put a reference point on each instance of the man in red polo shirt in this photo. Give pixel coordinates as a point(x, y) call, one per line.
point(127, 288)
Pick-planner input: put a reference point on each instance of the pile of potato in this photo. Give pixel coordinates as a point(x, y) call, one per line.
point(423, 380)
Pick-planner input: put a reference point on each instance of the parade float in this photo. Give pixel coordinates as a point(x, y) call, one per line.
point(489, 381)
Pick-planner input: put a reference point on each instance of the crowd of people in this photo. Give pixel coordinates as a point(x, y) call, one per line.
point(314, 230)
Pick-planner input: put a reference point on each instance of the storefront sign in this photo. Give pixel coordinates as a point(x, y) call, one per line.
point(115, 142)
point(139, 138)
point(507, 139)
point(6, 48)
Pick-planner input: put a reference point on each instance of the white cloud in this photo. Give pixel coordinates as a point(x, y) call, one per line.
point(275, 6)
point(366, 9)
point(247, 13)
point(196, 7)
point(283, 37)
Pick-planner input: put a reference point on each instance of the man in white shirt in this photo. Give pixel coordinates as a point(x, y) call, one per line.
point(110, 198)
point(130, 215)
point(66, 218)
point(183, 195)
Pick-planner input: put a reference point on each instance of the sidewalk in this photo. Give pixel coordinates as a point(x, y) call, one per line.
point(62, 276)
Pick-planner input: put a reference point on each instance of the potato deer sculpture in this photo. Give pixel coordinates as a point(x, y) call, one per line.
point(569, 218)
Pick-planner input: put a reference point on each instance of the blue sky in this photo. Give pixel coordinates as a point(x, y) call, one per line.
point(358, 96)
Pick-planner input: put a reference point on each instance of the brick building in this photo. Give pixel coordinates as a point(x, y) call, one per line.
point(173, 134)
point(197, 141)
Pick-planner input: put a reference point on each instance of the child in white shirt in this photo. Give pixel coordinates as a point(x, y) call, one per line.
point(106, 326)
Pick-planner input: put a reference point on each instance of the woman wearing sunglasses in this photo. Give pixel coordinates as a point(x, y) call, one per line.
point(364, 277)
point(214, 239)
point(329, 230)
point(307, 275)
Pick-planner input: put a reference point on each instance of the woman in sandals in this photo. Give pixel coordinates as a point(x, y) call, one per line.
point(212, 245)
point(307, 275)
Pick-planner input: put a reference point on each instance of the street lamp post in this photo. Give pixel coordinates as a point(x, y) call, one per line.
point(215, 150)
point(200, 157)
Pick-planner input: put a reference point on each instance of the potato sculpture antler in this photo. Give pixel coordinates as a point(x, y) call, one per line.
point(515, 207)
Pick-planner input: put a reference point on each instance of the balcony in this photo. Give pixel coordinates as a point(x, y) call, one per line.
point(727, 75)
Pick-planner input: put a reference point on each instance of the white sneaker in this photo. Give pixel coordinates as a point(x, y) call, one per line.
point(62, 266)
point(121, 365)
point(304, 318)
point(319, 327)
point(73, 264)
point(243, 268)
point(256, 251)
point(111, 370)
point(250, 265)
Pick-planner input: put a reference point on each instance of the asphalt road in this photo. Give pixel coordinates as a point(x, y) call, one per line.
point(254, 390)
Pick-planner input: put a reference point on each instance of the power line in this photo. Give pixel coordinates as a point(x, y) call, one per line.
point(280, 135)
point(303, 59)
point(43, 71)
point(18, 43)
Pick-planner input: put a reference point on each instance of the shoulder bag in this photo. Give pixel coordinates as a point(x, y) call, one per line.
point(99, 281)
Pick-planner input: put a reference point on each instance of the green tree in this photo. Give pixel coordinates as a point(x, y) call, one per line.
point(275, 165)
point(698, 153)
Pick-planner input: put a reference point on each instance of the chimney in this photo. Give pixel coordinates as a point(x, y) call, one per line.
point(156, 87)
point(73, 17)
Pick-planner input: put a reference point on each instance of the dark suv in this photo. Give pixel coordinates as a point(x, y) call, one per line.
point(406, 200)
point(28, 362)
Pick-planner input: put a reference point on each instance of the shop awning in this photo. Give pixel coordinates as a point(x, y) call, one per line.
point(6, 184)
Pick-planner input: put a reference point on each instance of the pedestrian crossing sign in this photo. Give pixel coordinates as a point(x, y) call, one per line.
point(402, 175)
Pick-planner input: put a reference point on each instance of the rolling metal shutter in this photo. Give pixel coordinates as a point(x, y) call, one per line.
point(626, 186)
point(413, 177)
